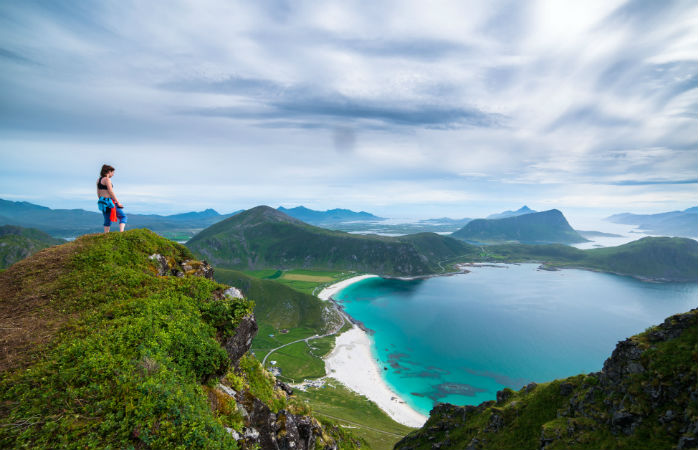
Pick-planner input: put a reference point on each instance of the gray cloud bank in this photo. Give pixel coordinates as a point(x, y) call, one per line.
point(398, 99)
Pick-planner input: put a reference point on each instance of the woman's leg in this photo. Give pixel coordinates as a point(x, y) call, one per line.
point(122, 218)
point(107, 221)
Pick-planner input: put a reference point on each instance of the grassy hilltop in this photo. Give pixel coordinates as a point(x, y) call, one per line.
point(263, 237)
point(107, 346)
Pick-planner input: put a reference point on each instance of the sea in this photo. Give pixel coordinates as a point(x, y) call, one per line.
point(461, 338)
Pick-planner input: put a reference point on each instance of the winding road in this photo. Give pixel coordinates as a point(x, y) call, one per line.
point(309, 338)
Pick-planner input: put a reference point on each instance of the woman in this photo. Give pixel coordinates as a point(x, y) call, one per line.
point(107, 199)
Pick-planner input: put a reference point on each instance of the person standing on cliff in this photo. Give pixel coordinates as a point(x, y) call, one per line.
point(109, 205)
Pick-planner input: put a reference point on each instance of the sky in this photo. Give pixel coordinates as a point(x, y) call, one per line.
point(400, 108)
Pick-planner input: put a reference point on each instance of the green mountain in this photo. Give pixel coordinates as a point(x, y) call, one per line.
point(674, 223)
point(263, 237)
point(16, 243)
point(331, 216)
point(649, 258)
point(75, 222)
point(644, 398)
point(534, 228)
point(123, 340)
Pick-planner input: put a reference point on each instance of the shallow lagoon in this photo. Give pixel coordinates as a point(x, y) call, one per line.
point(460, 339)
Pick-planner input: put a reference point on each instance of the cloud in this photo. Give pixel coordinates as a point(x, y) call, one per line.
point(530, 96)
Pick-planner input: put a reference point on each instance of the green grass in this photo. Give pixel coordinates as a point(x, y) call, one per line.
point(126, 370)
point(302, 280)
point(297, 363)
point(353, 410)
point(262, 274)
point(277, 304)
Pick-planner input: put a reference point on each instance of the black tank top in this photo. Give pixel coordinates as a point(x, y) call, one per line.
point(100, 185)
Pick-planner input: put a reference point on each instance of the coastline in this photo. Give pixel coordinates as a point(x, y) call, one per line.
point(352, 363)
point(329, 291)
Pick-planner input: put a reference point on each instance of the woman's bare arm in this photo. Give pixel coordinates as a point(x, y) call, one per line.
point(111, 193)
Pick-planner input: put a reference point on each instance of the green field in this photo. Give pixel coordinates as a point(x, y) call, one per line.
point(353, 410)
point(302, 280)
point(302, 360)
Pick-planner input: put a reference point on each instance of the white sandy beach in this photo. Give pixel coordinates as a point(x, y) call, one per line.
point(329, 291)
point(352, 363)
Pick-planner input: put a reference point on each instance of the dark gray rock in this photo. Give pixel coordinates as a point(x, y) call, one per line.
point(241, 341)
point(284, 387)
point(504, 395)
point(530, 387)
point(687, 442)
point(161, 264)
point(496, 423)
point(196, 268)
point(566, 389)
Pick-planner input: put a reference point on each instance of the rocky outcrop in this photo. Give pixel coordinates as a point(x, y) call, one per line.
point(241, 341)
point(645, 396)
point(191, 267)
point(279, 431)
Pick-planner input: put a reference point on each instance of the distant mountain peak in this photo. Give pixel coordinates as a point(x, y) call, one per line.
point(264, 213)
point(519, 212)
point(536, 227)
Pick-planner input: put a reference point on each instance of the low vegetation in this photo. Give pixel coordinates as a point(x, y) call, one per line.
point(125, 361)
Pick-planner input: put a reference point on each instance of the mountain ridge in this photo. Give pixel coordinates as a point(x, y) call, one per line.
point(673, 223)
point(75, 222)
point(539, 227)
point(267, 238)
point(329, 216)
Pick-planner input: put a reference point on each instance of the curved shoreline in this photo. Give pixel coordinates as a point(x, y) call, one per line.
point(352, 363)
point(332, 289)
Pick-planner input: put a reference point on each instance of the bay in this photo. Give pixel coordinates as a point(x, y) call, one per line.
point(459, 339)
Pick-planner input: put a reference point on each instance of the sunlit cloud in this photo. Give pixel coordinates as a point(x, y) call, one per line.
point(391, 105)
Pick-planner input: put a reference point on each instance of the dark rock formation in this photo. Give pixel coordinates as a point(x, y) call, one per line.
point(240, 342)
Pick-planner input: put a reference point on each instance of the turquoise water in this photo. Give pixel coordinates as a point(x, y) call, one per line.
point(460, 339)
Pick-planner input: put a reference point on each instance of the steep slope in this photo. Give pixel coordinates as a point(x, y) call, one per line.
point(674, 223)
point(644, 398)
point(281, 306)
point(16, 243)
point(534, 228)
point(263, 237)
point(123, 340)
